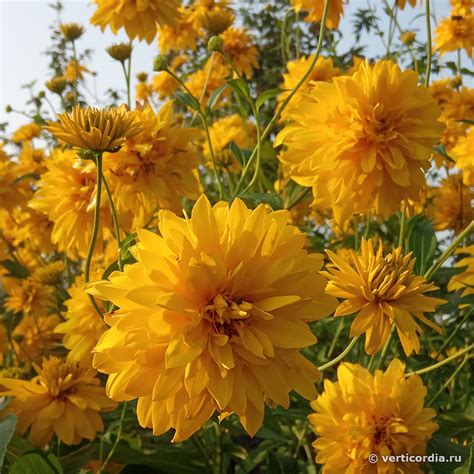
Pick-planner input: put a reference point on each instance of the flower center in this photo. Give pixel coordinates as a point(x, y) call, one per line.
point(226, 315)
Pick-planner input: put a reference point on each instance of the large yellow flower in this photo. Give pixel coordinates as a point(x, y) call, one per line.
point(95, 129)
point(315, 10)
point(464, 281)
point(323, 70)
point(183, 35)
point(63, 399)
point(238, 46)
point(67, 194)
point(455, 32)
point(363, 141)
point(212, 318)
point(155, 169)
point(138, 17)
point(463, 155)
point(363, 414)
point(382, 290)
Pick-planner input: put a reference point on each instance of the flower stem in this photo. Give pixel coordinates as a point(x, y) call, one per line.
point(116, 442)
point(447, 253)
point(386, 347)
point(429, 47)
point(403, 224)
point(456, 329)
point(339, 329)
point(341, 356)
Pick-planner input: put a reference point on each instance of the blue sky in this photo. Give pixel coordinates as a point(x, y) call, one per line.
point(25, 36)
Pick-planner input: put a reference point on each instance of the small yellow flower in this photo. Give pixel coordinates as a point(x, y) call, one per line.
point(463, 155)
point(216, 21)
point(57, 84)
point(365, 414)
point(454, 33)
point(383, 291)
point(94, 129)
point(71, 31)
point(120, 52)
point(183, 35)
point(75, 71)
point(26, 133)
point(408, 37)
point(63, 399)
point(402, 3)
point(315, 11)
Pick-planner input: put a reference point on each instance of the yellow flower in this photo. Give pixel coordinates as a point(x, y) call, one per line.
point(143, 91)
point(323, 70)
point(28, 295)
point(442, 91)
point(75, 71)
point(13, 193)
point(212, 317)
point(315, 11)
point(67, 195)
point(464, 7)
point(95, 129)
point(408, 37)
point(362, 414)
point(463, 154)
point(50, 273)
point(33, 229)
point(454, 33)
point(155, 169)
point(71, 31)
point(57, 84)
point(26, 133)
point(451, 207)
point(363, 141)
point(120, 51)
point(139, 18)
point(216, 20)
point(31, 159)
point(63, 399)
point(401, 3)
point(238, 46)
point(382, 290)
point(83, 326)
point(181, 36)
point(464, 281)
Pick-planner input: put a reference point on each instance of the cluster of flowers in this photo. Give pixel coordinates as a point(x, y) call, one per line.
point(192, 314)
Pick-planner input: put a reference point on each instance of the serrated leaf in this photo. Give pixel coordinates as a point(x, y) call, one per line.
point(266, 96)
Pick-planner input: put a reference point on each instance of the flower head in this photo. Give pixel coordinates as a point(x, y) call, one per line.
point(363, 141)
point(183, 35)
point(363, 414)
point(463, 154)
point(120, 51)
point(139, 18)
point(464, 281)
point(57, 84)
point(212, 317)
point(402, 3)
point(95, 129)
point(71, 31)
point(238, 46)
point(455, 32)
point(26, 133)
point(383, 291)
point(216, 20)
point(315, 11)
point(63, 399)
point(75, 71)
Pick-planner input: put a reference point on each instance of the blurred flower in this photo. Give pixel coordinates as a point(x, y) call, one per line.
point(71, 31)
point(75, 71)
point(50, 273)
point(382, 290)
point(183, 35)
point(464, 7)
point(408, 38)
point(463, 155)
point(365, 414)
point(464, 281)
point(26, 132)
point(216, 21)
point(363, 141)
point(139, 19)
point(239, 48)
point(63, 399)
point(57, 84)
point(455, 32)
point(212, 318)
point(95, 129)
point(315, 8)
point(120, 51)
point(401, 3)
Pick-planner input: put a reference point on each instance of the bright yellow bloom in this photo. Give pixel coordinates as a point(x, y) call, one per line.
point(155, 169)
point(464, 281)
point(323, 70)
point(455, 32)
point(83, 326)
point(95, 129)
point(382, 290)
point(451, 207)
point(28, 295)
point(56, 84)
point(463, 155)
point(442, 91)
point(143, 91)
point(363, 413)
point(31, 159)
point(401, 3)
point(181, 36)
point(63, 399)
point(67, 195)
point(464, 7)
point(238, 46)
point(138, 17)
point(212, 318)
point(75, 71)
point(363, 141)
point(315, 11)
point(26, 133)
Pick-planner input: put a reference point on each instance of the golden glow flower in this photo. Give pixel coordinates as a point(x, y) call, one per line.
point(455, 32)
point(75, 71)
point(71, 31)
point(50, 273)
point(383, 291)
point(464, 7)
point(155, 169)
point(238, 46)
point(63, 399)
point(183, 35)
point(315, 8)
point(95, 129)
point(363, 141)
point(464, 281)
point(323, 70)
point(28, 295)
point(463, 155)
point(120, 51)
point(57, 84)
point(216, 20)
point(67, 195)
point(138, 17)
point(212, 317)
point(362, 414)
point(26, 133)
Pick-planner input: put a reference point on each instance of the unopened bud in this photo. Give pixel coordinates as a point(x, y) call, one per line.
point(215, 43)
point(160, 63)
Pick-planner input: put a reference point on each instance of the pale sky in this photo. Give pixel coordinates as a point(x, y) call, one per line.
point(25, 36)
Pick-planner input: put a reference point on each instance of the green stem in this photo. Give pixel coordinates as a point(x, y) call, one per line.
point(129, 74)
point(456, 329)
point(117, 440)
point(447, 253)
point(278, 113)
point(127, 82)
point(386, 347)
point(74, 84)
point(403, 221)
point(298, 198)
point(443, 362)
point(429, 50)
point(440, 391)
point(341, 356)
point(204, 88)
point(339, 329)
point(367, 225)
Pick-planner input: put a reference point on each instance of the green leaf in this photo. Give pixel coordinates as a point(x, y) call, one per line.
point(214, 97)
point(441, 446)
point(458, 425)
point(36, 462)
point(422, 241)
point(468, 466)
point(15, 269)
point(126, 244)
point(34, 176)
point(254, 199)
point(468, 122)
point(441, 150)
point(266, 96)
point(241, 155)
point(239, 87)
point(7, 428)
point(188, 100)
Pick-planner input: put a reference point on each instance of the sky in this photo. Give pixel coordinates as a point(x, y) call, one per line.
point(24, 36)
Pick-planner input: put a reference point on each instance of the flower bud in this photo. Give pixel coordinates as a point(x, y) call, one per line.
point(56, 84)
point(216, 43)
point(8, 109)
point(142, 77)
point(120, 52)
point(71, 31)
point(160, 63)
point(408, 38)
